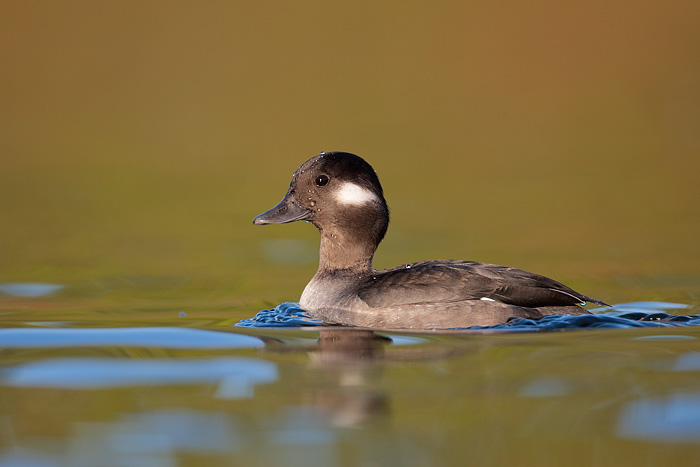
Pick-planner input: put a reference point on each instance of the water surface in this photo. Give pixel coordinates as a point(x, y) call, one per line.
point(195, 388)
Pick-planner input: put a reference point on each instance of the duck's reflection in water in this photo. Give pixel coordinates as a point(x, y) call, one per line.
point(345, 361)
point(344, 380)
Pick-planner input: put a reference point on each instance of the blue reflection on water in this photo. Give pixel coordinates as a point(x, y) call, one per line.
point(157, 438)
point(546, 386)
point(301, 425)
point(20, 457)
point(29, 289)
point(673, 419)
point(236, 377)
point(689, 361)
point(153, 438)
point(646, 306)
point(157, 337)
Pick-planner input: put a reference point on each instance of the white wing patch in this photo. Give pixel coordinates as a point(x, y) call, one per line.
point(349, 193)
point(487, 299)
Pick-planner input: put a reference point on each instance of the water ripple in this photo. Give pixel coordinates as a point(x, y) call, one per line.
point(284, 315)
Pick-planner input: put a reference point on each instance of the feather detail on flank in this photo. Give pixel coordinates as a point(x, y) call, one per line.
point(349, 193)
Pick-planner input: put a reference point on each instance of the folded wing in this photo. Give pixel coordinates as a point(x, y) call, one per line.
point(452, 281)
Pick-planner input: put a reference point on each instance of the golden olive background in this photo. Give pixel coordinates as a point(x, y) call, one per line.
point(139, 139)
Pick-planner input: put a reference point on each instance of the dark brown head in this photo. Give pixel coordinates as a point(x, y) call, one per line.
point(341, 195)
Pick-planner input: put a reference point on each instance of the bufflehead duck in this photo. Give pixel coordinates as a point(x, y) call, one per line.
point(340, 194)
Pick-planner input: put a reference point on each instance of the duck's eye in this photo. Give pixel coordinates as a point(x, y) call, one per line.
point(322, 180)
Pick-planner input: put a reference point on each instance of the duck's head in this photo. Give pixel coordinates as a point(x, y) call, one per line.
point(340, 194)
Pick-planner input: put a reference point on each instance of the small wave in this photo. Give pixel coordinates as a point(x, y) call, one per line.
point(616, 320)
point(284, 315)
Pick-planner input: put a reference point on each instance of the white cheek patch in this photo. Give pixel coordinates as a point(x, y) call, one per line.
point(349, 193)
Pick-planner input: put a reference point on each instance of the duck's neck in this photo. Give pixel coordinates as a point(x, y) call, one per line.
point(343, 252)
point(349, 240)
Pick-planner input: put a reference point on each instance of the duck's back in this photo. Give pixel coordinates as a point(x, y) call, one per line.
point(438, 281)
